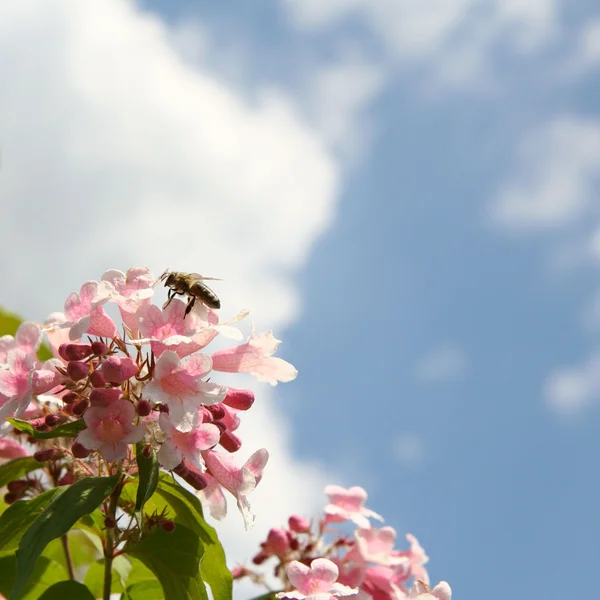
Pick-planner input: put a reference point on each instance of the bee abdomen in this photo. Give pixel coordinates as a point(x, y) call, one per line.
point(205, 294)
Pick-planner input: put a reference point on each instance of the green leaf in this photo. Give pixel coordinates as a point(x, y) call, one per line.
point(46, 573)
point(144, 590)
point(184, 508)
point(70, 429)
point(73, 590)
point(175, 560)
point(62, 513)
point(94, 578)
point(188, 510)
point(18, 517)
point(81, 549)
point(148, 475)
point(16, 468)
point(9, 323)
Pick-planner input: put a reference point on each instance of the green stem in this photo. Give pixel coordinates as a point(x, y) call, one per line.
point(65, 544)
point(109, 547)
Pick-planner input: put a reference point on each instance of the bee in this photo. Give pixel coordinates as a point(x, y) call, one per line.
point(191, 285)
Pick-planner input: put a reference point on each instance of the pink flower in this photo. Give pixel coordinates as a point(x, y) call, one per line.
point(239, 482)
point(422, 591)
point(255, 357)
point(15, 382)
point(189, 445)
point(348, 505)
point(117, 369)
point(131, 291)
point(317, 582)
point(10, 449)
point(417, 558)
point(376, 545)
point(385, 583)
point(85, 314)
point(178, 384)
point(213, 496)
point(168, 330)
point(110, 429)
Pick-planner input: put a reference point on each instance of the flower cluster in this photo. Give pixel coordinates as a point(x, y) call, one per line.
point(146, 380)
point(325, 564)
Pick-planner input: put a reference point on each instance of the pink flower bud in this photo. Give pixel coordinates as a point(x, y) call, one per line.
point(167, 525)
point(196, 479)
point(54, 419)
point(163, 408)
point(222, 427)
point(294, 544)
point(207, 416)
point(18, 486)
point(77, 351)
point(277, 542)
point(260, 558)
point(39, 424)
point(239, 572)
point(218, 412)
point(144, 408)
point(97, 379)
point(10, 498)
point(230, 441)
point(79, 450)
point(79, 408)
point(299, 524)
point(77, 370)
point(44, 455)
point(70, 398)
point(62, 351)
point(239, 399)
point(104, 397)
point(109, 523)
point(117, 369)
point(99, 348)
point(181, 469)
point(67, 479)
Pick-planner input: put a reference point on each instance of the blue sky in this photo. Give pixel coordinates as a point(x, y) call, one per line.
point(423, 234)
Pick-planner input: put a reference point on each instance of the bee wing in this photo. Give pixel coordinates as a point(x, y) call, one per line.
point(203, 278)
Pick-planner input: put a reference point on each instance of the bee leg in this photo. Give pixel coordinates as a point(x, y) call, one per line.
point(189, 306)
point(170, 297)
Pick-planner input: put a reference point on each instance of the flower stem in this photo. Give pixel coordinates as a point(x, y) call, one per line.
point(109, 548)
point(65, 543)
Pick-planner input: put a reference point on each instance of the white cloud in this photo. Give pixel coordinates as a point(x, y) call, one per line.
point(570, 390)
point(428, 28)
point(118, 153)
point(408, 449)
point(338, 95)
point(445, 363)
point(586, 56)
point(558, 166)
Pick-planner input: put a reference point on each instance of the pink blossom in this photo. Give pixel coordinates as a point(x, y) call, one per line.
point(110, 429)
point(255, 357)
point(56, 331)
point(47, 377)
point(85, 314)
point(213, 496)
point(238, 481)
point(27, 338)
point(10, 449)
point(132, 291)
point(422, 591)
point(417, 558)
point(376, 545)
point(348, 505)
point(384, 582)
point(168, 330)
point(317, 582)
point(189, 445)
point(178, 384)
point(15, 382)
point(117, 369)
